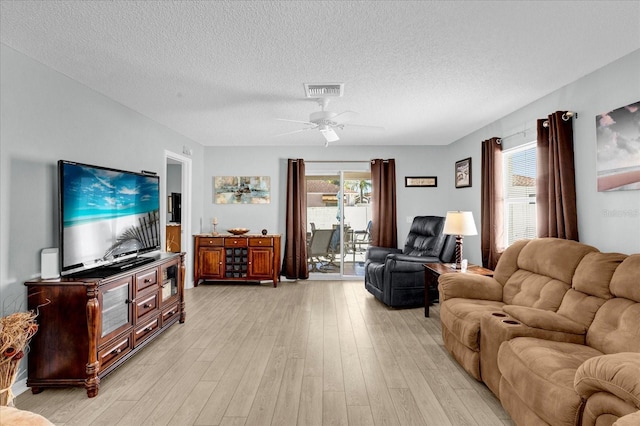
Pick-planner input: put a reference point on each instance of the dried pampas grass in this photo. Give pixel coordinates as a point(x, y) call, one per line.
point(15, 332)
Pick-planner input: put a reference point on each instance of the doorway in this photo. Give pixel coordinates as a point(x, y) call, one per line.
point(338, 217)
point(177, 211)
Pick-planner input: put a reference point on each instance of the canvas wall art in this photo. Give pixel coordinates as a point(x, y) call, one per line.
point(618, 142)
point(241, 189)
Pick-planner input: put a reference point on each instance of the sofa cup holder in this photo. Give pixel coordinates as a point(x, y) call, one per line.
point(513, 322)
point(498, 314)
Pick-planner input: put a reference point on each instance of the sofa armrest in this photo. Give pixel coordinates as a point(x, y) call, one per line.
point(469, 286)
point(414, 259)
point(545, 320)
point(379, 254)
point(617, 374)
point(632, 419)
point(399, 262)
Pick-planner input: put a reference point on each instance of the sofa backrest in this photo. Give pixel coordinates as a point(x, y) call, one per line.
point(616, 326)
point(425, 237)
point(543, 273)
point(590, 287)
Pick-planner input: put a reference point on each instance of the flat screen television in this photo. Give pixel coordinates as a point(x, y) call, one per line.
point(107, 217)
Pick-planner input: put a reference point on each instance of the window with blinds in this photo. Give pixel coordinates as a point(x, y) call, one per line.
point(519, 176)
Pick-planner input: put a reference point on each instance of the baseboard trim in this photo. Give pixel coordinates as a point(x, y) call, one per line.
point(19, 387)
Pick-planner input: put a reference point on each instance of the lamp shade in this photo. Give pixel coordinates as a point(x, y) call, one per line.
point(459, 223)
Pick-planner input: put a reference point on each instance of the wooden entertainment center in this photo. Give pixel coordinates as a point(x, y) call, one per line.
point(236, 258)
point(91, 324)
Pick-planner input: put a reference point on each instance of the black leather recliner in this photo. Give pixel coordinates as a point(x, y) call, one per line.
point(395, 276)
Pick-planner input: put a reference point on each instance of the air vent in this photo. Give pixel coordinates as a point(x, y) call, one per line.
point(323, 90)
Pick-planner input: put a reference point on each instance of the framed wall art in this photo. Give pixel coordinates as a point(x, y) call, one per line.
point(420, 181)
point(463, 173)
point(618, 158)
point(241, 189)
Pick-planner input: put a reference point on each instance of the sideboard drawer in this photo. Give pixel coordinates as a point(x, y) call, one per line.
point(146, 304)
point(146, 279)
point(235, 242)
point(169, 314)
point(210, 242)
point(145, 330)
point(261, 242)
point(115, 350)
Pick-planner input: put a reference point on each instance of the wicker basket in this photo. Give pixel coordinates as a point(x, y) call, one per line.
point(15, 332)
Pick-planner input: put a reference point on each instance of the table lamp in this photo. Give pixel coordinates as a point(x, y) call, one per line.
point(459, 223)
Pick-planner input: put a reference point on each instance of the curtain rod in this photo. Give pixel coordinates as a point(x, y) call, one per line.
point(336, 161)
point(565, 117)
point(522, 132)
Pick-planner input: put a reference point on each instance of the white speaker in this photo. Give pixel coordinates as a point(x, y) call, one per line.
point(49, 264)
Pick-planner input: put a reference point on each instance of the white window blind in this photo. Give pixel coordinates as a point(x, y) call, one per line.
point(519, 176)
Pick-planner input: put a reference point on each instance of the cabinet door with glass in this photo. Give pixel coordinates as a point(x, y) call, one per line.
point(170, 276)
point(115, 300)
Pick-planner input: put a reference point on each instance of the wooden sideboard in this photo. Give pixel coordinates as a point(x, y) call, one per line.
point(236, 258)
point(90, 325)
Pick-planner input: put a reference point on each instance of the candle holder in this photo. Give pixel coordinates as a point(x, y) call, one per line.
point(215, 228)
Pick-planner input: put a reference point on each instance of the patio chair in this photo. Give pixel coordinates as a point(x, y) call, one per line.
point(320, 253)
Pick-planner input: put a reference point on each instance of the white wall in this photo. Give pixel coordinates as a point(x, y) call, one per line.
point(609, 221)
point(174, 178)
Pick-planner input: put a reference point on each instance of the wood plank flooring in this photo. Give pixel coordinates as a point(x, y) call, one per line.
point(305, 353)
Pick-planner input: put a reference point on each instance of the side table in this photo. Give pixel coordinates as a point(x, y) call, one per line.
point(432, 272)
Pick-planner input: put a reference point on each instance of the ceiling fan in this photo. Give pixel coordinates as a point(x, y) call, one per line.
point(327, 122)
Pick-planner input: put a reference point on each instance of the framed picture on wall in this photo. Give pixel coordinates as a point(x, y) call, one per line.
point(463, 173)
point(618, 162)
point(424, 181)
point(241, 189)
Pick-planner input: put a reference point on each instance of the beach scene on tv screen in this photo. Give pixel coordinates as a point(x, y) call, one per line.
point(107, 213)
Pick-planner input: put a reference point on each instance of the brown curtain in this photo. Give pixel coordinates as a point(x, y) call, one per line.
point(295, 245)
point(491, 203)
point(384, 231)
point(556, 182)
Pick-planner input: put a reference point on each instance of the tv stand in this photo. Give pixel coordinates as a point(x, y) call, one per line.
point(90, 325)
point(130, 263)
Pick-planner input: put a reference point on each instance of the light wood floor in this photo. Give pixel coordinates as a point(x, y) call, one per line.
point(307, 353)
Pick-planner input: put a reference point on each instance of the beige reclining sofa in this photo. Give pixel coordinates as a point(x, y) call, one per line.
point(556, 312)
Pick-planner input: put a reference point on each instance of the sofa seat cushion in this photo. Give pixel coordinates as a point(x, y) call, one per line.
point(462, 318)
point(542, 373)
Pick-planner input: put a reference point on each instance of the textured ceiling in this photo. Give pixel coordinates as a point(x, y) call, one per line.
point(221, 72)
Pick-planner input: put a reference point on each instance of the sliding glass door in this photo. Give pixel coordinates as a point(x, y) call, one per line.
point(338, 217)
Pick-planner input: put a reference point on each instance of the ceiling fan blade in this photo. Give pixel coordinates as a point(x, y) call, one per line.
point(291, 133)
point(345, 116)
point(329, 134)
point(296, 121)
point(364, 126)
